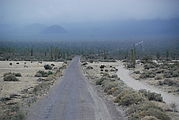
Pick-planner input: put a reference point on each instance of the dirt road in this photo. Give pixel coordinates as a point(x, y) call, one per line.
point(72, 98)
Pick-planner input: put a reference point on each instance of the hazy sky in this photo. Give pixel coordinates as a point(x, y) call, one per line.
point(71, 11)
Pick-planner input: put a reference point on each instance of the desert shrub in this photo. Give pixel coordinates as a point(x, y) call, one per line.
point(99, 81)
point(52, 65)
point(109, 84)
point(49, 72)
point(115, 91)
point(47, 67)
point(89, 67)
point(106, 70)
point(175, 74)
point(147, 74)
point(10, 63)
point(128, 97)
point(114, 76)
point(158, 77)
point(91, 61)
point(105, 75)
point(130, 65)
point(137, 112)
point(13, 112)
point(40, 79)
point(40, 88)
point(85, 63)
point(156, 113)
point(17, 63)
point(102, 66)
point(137, 72)
point(10, 77)
point(159, 70)
point(143, 106)
point(15, 74)
point(169, 82)
point(151, 65)
point(151, 95)
point(38, 74)
point(146, 59)
point(149, 118)
point(43, 73)
point(167, 74)
point(174, 107)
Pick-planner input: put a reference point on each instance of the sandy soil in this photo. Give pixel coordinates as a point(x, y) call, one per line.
point(27, 69)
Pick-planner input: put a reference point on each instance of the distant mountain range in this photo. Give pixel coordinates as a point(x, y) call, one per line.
point(114, 30)
point(31, 29)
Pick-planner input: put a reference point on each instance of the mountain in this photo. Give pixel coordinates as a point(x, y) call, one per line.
point(54, 29)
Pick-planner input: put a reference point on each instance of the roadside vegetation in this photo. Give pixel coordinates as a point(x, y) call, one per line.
point(138, 105)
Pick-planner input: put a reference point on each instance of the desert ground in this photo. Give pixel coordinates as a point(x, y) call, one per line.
point(27, 69)
point(28, 88)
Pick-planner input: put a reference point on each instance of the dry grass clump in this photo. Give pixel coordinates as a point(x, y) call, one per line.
point(149, 118)
point(11, 111)
point(147, 74)
point(140, 111)
point(151, 95)
point(129, 97)
point(108, 85)
point(15, 74)
point(10, 77)
point(43, 73)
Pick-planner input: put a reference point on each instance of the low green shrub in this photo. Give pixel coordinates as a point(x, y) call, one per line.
point(102, 66)
point(147, 74)
point(47, 67)
point(43, 73)
point(149, 118)
point(137, 72)
point(10, 77)
point(15, 74)
point(89, 67)
point(137, 112)
point(99, 81)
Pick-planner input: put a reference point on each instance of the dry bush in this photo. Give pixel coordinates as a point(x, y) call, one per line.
point(47, 67)
point(107, 85)
point(129, 97)
point(15, 74)
point(151, 95)
point(43, 73)
point(149, 118)
point(147, 74)
point(137, 112)
point(10, 77)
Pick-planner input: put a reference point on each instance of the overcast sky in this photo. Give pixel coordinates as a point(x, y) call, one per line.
point(72, 11)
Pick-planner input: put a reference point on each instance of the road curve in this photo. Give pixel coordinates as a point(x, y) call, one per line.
point(71, 98)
